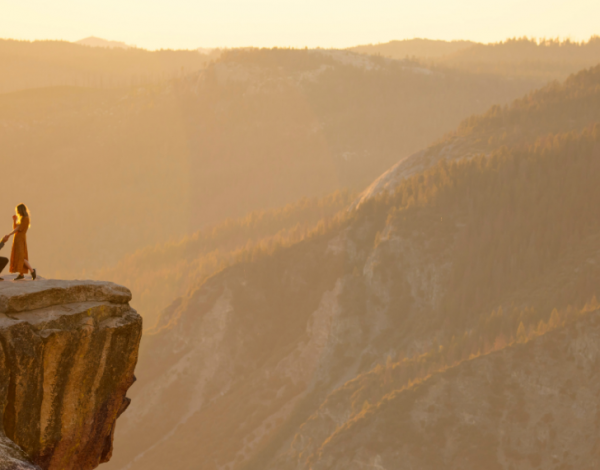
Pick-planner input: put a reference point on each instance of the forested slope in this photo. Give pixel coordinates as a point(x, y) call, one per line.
point(419, 48)
point(545, 59)
point(463, 260)
point(540, 59)
point(160, 273)
point(558, 107)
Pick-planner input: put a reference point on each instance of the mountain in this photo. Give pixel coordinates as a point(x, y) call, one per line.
point(38, 64)
point(93, 41)
point(169, 159)
point(462, 300)
point(176, 267)
point(421, 48)
point(569, 106)
point(207, 50)
point(546, 59)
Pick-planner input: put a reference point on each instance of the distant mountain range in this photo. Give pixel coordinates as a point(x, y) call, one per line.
point(39, 64)
point(93, 41)
point(519, 57)
point(422, 48)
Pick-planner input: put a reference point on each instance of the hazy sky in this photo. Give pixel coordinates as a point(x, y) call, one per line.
point(154, 24)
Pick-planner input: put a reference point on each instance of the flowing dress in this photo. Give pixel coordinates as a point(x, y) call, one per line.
point(19, 248)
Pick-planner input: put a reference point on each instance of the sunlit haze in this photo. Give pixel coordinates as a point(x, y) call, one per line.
point(299, 234)
point(186, 24)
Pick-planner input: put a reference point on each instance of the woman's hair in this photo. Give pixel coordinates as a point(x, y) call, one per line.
point(22, 211)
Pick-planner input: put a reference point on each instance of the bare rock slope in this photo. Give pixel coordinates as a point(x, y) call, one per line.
point(68, 350)
point(526, 406)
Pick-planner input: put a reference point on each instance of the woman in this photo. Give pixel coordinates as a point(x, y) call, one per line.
point(18, 257)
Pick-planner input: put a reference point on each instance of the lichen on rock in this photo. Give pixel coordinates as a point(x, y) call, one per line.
point(68, 350)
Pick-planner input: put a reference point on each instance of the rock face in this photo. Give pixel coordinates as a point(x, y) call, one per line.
point(67, 357)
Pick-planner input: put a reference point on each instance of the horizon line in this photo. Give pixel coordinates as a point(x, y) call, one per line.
point(538, 40)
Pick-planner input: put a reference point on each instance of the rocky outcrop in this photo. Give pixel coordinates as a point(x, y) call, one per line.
point(418, 163)
point(67, 357)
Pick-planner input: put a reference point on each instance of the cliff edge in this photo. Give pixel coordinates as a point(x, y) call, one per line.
point(68, 350)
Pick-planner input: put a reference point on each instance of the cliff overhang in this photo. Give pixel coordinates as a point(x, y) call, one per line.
point(68, 351)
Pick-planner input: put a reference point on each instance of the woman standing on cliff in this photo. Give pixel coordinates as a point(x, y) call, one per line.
point(19, 257)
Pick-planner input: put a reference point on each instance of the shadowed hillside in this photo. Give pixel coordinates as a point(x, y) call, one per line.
point(36, 64)
point(93, 41)
point(543, 60)
point(420, 48)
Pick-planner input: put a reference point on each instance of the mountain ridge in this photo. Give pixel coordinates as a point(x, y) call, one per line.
point(523, 122)
point(93, 41)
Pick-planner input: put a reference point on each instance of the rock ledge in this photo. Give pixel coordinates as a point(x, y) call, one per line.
point(68, 350)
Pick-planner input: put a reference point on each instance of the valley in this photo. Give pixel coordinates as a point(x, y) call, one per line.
point(294, 351)
point(384, 256)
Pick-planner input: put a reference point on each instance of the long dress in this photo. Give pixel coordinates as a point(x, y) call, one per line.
point(19, 248)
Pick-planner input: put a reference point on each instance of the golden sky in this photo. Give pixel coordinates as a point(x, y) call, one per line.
point(155, 24)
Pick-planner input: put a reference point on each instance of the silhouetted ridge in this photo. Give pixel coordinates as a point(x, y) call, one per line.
point(546, 59)
point(93, 41)
point(420, 48)
point(35, 64)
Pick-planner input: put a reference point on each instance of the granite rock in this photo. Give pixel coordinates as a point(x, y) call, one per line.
point(68, 350)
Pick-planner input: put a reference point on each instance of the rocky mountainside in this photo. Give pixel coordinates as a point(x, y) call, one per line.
point(457, 264)
point(67, 357)
point(532, 405)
